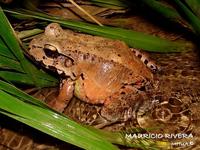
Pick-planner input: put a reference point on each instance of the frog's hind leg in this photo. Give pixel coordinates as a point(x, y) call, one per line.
point(146, 60)
point(121, 106)
point(64, 96)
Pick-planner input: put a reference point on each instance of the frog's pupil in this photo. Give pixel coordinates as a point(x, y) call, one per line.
point(50, 53)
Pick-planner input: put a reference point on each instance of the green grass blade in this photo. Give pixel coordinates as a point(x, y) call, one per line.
point(7, 63)
point(12, 43)
point(8, 34)
point(19, 94)
point(28, 33)
point(133, 39)
point(189, 16)
point(52, 123)
point(114, 137)
point(115, 4)
point(9, 37)
point(165, 11)
point(194, 5)
point(23, 78)
point(4, 51)
point(12, 57)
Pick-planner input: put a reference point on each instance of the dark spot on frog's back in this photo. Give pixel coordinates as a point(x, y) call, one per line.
point(139, 56)
point(146, 62)
point(82, 76)
point(86, 56)
point(123, 93)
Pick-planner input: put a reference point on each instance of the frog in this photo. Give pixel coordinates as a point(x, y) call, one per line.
point(97, 70)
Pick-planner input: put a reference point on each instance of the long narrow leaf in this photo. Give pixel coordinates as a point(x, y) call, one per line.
point(111, 3)
point(7, 63)
point(8, 88)
point(8, 36)
point(52, 123)
point(133, 39)
point(114, 137)
point(194, 5)
point(28, 33)
point(23, 78)
point(4, 51)
point(165, 11)
point(192, 19)
point(10, 39)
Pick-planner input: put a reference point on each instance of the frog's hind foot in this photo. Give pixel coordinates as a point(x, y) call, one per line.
point(102, 122)
point(123, 105)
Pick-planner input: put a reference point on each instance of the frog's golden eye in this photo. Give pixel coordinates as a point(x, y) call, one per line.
point(50, 47)
point(50, 51)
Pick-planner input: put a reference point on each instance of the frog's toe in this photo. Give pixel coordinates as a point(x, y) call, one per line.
point(102, 122)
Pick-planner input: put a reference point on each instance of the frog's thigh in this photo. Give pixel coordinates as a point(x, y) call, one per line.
point(64, 96)
point(123, 104)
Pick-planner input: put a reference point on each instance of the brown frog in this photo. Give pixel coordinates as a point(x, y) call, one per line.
point(97, 70)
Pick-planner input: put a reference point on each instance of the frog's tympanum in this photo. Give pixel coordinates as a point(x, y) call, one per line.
point(96, 70)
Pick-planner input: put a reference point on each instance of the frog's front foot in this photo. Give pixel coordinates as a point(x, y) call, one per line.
point(64, 96)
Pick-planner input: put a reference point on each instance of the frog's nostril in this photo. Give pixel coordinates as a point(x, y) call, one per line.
point(146, 62)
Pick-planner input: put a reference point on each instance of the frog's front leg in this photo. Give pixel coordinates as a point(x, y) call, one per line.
point(65, 94)
point(121, 106)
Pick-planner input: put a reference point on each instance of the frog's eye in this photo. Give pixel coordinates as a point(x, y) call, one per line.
point(50, 51)
point(50, 47)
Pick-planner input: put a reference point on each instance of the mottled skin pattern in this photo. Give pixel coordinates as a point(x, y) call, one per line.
point(178, 82)
point(97, 70)
point(179, 79)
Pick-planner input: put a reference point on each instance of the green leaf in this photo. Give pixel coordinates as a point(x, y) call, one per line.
point(28, 33)
point(189, 16)
point(11, 89)
point(132, 38)
point(194, 5)
point(12, 57)
point(7, 63)
point(23, 78)
point(52, 123)
point(165, 11)
point(27, 109)
point(115, 4)
point(4, 51)
point(8, 34)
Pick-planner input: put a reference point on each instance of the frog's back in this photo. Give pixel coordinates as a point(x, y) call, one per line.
point(106, 49)
point(82, 47)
